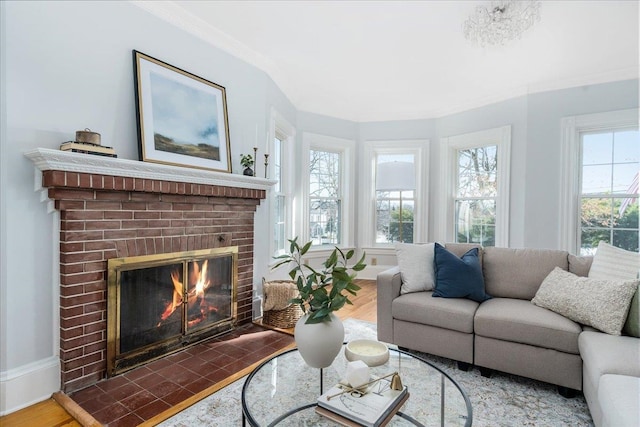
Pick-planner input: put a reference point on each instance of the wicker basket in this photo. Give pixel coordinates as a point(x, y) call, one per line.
point(287, 317)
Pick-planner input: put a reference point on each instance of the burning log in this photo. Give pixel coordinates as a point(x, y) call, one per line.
point(178, 289)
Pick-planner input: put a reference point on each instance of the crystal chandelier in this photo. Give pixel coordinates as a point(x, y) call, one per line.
point(501, 21)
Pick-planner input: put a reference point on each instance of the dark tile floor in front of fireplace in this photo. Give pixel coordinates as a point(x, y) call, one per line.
point(142, 393)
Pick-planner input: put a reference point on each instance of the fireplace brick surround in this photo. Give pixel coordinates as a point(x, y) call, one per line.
point(107, 215)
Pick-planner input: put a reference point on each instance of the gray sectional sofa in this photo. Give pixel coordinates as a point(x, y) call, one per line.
point(509, 333)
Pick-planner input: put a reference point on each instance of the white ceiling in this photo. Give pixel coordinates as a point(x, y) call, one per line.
point(393, 60)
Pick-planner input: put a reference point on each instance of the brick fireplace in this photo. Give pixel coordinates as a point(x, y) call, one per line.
point(114, 208)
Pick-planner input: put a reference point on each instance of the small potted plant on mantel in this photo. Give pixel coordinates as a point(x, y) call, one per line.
point(319, 333)
point(246, 160)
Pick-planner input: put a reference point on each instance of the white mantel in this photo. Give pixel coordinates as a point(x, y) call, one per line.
point(52, 159)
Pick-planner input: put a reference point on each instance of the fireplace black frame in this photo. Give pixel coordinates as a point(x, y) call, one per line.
point(121, 361)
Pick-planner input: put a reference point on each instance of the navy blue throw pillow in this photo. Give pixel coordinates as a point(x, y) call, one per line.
point(458, 277)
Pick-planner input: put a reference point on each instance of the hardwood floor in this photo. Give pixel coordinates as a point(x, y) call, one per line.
point(44, 414)
point(50, 414)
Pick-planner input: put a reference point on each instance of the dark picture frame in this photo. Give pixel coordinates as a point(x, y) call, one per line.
point(182, 118)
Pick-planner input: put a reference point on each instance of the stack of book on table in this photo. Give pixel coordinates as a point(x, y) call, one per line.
point(375, 408)
point(88, 148)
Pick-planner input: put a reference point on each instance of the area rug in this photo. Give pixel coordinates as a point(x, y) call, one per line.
point(502, 400)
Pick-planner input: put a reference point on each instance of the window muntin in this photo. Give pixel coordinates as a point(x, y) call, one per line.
point(325, 197)
point(388, 222)
point(476, 195)
point(608, 207)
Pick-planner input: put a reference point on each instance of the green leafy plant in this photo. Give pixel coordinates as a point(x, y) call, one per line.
point(321, 292)
point(246, 160)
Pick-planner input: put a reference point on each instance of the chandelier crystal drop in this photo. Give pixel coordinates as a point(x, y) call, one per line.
point(501, 21)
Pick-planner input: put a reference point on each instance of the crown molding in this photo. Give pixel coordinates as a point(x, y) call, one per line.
point(629, 73)
point(171, 12)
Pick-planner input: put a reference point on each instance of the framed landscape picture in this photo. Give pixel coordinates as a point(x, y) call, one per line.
point(182, 118)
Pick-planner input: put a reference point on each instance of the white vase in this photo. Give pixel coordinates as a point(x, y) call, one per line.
point(319, 343)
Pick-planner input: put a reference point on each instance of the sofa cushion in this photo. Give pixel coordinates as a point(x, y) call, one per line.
point(518, 273)
point(458, 277)
point(603, 304)
point(619, 399)
point(416, 266)
point(609, 354)
point(462, 248)
point(449, 313)
point(522, 322)
point(580, 265)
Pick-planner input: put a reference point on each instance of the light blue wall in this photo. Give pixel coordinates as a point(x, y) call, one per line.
point(544, 116)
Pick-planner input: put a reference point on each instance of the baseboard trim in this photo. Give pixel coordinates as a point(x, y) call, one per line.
point(372, 271)
point(29, 384)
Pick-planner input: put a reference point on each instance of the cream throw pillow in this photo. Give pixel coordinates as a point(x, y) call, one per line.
point(602, 304)
point(610, 262)
point(416, 266)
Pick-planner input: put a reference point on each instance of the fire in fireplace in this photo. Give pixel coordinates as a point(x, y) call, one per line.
point(158, 304)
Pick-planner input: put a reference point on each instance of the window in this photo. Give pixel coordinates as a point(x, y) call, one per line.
point(326, 188)
point(325, 197)
point(280, 199)
point(609, 189)
point(599, 195)
point(379, 197)
point(476, 195)
point(281, 136)
point(395, 200)
point(475, 206)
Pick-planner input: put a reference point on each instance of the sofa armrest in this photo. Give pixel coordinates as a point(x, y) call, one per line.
point(388, 284)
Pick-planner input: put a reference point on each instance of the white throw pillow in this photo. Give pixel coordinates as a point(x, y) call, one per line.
point(611, 263)
point(416, 266)
point(602, 304)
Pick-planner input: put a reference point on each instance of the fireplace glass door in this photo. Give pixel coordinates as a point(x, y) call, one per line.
point(161, 303)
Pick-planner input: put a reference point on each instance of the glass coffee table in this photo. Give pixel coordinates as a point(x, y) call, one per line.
point(283, 391)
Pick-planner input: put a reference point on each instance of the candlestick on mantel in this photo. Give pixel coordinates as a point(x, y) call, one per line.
point(266, 145)
point(255, 159)
point(266, 163)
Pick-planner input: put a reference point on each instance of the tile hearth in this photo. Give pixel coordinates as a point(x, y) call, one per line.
point(142, 393)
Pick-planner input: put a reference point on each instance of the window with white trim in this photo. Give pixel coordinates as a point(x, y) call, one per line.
point(395, 206)
point(476, 195)
point(477, 171)
point(379, 225)
point(601, 157)
point(280, 199)
point(281, 136)
point(327, 189)
point(609, 189)
point(325, 197)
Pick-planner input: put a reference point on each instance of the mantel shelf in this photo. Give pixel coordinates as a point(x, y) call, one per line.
point(52, 159)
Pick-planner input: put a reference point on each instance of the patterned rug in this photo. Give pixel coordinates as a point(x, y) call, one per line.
point(502, 400)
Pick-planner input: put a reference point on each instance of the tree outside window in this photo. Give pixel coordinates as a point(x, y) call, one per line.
point(388, 219)
point(476, 194)
point(325, 199)
point(609, 190)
